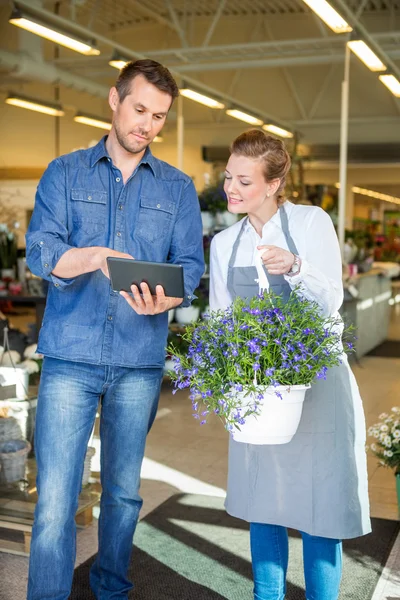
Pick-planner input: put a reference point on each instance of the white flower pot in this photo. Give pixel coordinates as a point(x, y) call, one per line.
point(171, 314)
point(186, 315)
point(8, 273)
point(208, 221)
point(278, 419)
point(226, 218)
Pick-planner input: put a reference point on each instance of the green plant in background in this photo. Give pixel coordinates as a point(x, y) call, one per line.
point(213, 199)
point(250, 346)
point(8, 247)
point(386, 446)
point(202, 293)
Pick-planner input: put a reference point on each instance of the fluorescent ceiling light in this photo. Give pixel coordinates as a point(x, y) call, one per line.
point(117, 61)
point(329, 15)
point(26, 22)
point(373, 194)
point(366, 55)
point(392, 83)
point(277, 130)
point(93, 121)
point(54, 110)
point(242, 116)
point(377, 195)
point(210, 102)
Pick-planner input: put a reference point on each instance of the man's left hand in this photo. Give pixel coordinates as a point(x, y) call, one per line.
point(276, 260)
point(146, 304)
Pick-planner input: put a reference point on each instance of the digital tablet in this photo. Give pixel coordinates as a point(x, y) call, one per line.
point(125, 272)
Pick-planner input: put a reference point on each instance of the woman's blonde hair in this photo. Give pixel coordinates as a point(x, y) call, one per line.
point(271, 151)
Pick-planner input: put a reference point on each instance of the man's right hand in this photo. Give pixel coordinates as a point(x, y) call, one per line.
point(104, 253)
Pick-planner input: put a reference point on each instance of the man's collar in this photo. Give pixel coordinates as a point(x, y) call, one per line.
point(100, 151)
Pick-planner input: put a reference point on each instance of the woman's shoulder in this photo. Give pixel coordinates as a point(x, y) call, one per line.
point(305, 213)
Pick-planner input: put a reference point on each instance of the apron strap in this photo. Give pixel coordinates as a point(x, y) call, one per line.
point(233, 256)
point(285, 229)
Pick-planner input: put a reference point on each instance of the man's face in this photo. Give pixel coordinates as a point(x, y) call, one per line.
point(140, 116)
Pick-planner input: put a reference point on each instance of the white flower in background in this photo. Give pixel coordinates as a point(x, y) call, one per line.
point(384, 428)
point(373, 447)
point(383, 416)
point(396, 433)
point(388, 453)
point(31, 366)
point(9, 358)
point(396, 409)
point(376, 433)
point(387, 441)
point(30, 352)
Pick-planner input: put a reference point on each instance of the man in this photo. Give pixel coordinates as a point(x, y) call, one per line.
point(115, 199)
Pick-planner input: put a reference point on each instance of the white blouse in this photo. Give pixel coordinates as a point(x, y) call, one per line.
point(312, 230)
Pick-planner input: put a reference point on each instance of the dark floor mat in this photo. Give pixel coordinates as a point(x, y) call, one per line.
point(388, 349)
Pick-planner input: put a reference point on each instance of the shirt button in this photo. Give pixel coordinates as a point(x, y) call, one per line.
point(118, 179)
point(189, 297)
point(89, 197)
point(46, 265)
point(119, 234)
point(110, 318)
point(41, 243)
point(57, 284)
point(158, 205)
point(120, 207)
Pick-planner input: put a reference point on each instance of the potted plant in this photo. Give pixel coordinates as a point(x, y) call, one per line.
point(214, 203)
point(252, 363)
point(8, 252)
point(386, 446)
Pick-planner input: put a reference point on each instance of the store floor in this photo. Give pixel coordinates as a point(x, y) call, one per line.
point(182, 456)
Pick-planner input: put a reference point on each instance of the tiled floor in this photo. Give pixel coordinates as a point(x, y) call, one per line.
point(182, 456)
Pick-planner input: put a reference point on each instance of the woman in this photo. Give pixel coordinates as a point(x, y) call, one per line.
point(317, 483)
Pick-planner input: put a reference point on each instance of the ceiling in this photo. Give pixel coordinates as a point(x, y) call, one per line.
point(273, 58)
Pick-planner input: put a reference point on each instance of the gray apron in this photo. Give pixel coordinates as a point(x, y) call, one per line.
point(317, 483)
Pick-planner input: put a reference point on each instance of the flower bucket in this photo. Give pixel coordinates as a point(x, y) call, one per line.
point(187, 314)
point(13, 456)
point(278, 417)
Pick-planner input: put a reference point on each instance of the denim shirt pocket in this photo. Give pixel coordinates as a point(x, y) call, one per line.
point(155, 218)
point(89, 213)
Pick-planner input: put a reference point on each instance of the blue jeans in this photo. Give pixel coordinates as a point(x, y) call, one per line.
point(68, 399)
point(322, 559)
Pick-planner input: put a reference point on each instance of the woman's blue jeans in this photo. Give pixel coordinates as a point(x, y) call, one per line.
point(68, 400)
point(322, 559)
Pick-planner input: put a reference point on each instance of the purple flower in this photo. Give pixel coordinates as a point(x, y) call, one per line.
point(269, 372)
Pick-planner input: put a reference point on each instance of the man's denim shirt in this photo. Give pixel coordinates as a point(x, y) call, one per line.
point(82, 201)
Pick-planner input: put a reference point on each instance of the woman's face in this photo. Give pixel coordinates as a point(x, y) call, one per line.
point(245, 186)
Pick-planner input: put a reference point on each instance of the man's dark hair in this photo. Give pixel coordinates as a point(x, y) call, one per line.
point(153, 71)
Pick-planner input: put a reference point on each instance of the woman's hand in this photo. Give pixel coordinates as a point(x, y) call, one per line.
point(146, 304)
point(276, 260)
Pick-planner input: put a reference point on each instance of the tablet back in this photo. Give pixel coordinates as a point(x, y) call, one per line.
point(125, 272)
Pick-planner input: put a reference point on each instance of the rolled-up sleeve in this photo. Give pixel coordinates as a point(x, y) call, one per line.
point(47, 235)
point(320, 277)
point(187, 241)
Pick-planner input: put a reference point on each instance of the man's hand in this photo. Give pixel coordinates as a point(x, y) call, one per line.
point(148, 304)
point(104, 253)
point(276, 260)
